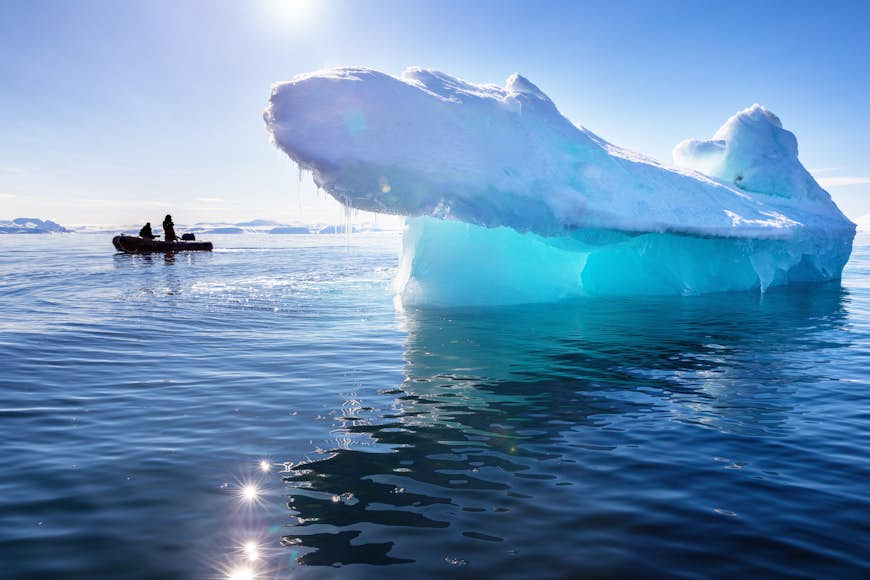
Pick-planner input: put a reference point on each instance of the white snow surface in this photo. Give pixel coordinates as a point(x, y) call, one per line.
point(432, 144)
point(24, 225)
point(429, 145)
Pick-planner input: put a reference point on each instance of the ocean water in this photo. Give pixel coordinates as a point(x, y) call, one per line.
point(266, 411)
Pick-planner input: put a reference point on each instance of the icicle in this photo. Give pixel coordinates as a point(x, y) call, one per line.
point(299, 187)
point(348, 223)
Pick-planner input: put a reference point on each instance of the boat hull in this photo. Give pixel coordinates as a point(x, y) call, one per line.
point(137, 245)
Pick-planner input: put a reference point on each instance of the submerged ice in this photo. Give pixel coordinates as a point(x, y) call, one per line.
point(510, 202)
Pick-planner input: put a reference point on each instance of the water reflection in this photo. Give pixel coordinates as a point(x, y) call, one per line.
point(566, 437)
point(156, 281)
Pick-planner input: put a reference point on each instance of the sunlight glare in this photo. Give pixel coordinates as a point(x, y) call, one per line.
point(250, 491)
point(241, 573)
point(292, 11)
point(252, 550)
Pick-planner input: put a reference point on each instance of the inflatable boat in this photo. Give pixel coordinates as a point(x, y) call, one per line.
point(137, 245)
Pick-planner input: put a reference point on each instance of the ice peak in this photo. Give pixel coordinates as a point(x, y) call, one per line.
point(758, 114)
point(517, 83)
point(753, 151)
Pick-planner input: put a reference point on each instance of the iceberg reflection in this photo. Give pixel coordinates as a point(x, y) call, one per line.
point(585, 437)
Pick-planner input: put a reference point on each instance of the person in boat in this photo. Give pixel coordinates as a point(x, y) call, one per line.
point(169, 229)
point(145, 233)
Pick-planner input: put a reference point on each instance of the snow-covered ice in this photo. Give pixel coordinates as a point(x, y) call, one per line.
point(25, 225)
point(509, 202)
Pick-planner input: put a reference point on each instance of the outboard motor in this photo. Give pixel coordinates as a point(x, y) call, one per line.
point(188, 237)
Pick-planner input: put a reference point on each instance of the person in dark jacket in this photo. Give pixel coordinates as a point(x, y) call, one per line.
point(169, 229)
point(145, 233)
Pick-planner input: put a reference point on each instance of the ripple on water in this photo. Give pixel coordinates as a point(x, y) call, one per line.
point(265, 409)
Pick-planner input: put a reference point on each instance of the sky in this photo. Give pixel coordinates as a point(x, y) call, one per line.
point(118, 112)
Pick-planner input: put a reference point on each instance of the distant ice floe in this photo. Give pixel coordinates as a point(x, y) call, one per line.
point(510, 202)
point(258, 226)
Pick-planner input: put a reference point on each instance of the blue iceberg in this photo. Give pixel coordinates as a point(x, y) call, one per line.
point(509, 202)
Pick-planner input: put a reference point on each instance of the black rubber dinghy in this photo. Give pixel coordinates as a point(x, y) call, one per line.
point(137, 245)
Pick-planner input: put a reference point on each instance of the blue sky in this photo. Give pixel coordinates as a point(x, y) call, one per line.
point(120, 111)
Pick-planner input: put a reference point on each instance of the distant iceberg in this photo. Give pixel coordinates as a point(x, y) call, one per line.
point(290, 230)
point(31, 226)
point(510, 202)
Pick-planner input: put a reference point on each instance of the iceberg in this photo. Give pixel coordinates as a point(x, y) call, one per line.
point(507, 201)
point(25, 225)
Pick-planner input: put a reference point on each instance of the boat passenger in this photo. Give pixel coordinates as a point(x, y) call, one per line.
point(169, 229)
point(145, 233)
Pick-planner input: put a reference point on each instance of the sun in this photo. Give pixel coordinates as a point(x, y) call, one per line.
point(292, 11)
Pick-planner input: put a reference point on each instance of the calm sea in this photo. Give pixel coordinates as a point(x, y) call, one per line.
point(266, 411)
